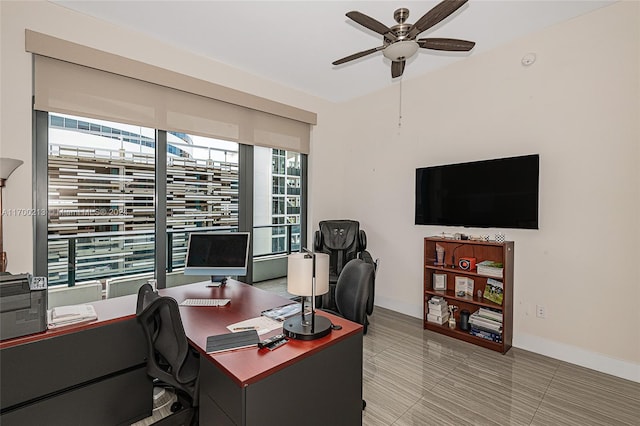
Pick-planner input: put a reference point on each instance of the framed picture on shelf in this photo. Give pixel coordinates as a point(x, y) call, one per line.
point(439, 281)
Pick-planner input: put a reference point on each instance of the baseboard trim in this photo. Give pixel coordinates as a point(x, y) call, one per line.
point(574, 355)
point(561, 351)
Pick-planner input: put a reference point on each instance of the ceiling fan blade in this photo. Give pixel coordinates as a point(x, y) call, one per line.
point(372, 24)
point(357, 55)
point(397, 68)
point(449, 44)
point(439, 12)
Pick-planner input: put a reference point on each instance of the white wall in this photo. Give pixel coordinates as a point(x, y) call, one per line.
point(578, 107)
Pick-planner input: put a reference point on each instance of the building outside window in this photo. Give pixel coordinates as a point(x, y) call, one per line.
point(277, 201)
point(101, 196)
point(202, 191)
point(100, 199)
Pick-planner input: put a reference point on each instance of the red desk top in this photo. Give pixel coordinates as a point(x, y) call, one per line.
point(244, 366)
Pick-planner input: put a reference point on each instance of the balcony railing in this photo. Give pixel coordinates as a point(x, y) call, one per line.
point(100, 255)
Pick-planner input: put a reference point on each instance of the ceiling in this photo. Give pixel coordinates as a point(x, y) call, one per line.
point(294, 42)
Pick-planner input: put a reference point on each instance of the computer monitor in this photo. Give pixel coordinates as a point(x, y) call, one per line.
point(218, 254)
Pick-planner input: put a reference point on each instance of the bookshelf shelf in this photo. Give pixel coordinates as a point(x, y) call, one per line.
point(481, 251)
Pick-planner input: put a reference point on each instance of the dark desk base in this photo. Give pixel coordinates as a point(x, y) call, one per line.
point(95, 376)
point(322, 389)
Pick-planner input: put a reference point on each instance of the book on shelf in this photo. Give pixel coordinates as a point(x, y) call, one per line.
point(439, 310)
point(485, 323)
point(490, 268)
point(437, 301)
point(438, 319)
point(494, 337)
point(494, 291)
point(490, 314)
point(486, 327)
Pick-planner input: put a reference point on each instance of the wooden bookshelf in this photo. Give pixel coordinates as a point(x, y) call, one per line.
point(481, 251)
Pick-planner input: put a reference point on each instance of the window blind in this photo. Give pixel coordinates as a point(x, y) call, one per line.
point(74, 79)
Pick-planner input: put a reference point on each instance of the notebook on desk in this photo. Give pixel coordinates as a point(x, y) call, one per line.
point(231, 341)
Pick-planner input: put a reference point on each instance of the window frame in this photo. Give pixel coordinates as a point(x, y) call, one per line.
point(245, 194)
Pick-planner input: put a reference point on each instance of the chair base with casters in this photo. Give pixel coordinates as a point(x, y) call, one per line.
point(171, 362)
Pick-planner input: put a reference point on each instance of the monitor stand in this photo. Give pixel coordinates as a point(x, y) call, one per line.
point(218, 281)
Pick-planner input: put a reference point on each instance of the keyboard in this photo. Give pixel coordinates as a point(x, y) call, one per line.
point(205, 302)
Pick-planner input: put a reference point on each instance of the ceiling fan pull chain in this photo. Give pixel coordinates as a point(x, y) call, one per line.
point(400, 106)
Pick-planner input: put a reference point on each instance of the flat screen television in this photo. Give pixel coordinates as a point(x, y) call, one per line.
point(499, 193)
point(218, 254)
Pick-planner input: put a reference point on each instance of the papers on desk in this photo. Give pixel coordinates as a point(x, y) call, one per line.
point(63, 316)
point(260, 324)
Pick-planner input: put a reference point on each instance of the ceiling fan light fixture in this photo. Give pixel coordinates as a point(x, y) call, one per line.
point(400, 50)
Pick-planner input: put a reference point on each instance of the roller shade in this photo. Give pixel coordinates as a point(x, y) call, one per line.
point(121, 96)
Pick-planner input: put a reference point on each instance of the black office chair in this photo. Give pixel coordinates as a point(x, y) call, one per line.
point(352, 293)
point(343, 241)
point(171, 361)
point(353, 290)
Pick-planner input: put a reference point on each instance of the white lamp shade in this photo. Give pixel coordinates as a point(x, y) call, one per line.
point(300, 274)
point(7, 166)
point(322, 273)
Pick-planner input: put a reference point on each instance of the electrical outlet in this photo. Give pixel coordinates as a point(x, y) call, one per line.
point(540, 311)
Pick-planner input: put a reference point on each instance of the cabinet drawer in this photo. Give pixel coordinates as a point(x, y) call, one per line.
point(46, 366)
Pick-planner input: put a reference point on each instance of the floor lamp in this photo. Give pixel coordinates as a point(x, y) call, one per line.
point(7, 166)
point(307, 276)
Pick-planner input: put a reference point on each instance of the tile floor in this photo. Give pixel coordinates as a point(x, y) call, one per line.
point(416, 377)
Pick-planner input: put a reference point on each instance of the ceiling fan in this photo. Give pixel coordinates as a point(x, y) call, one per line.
point(399, 42)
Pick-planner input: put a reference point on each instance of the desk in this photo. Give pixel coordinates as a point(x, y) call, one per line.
point(89, 374)
point(315, 382)
point(95, 373)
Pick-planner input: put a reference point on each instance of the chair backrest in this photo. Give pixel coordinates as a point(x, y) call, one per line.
point(170, 358)
point(90, 291)
point(342, 240)
point(353, 289)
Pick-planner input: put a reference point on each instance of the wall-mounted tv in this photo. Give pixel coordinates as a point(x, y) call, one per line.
point(499, 193)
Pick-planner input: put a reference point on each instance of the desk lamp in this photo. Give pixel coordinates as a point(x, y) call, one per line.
point(7, 166)
point(307, 275)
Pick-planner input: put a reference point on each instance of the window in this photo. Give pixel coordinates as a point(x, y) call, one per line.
point(202, 190)
point(100, 191)
point(278, 185)
point(278, 208)
point(100, 201)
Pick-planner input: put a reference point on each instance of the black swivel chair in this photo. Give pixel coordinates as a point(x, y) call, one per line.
point(353, 291)
point(343, 241)
point(171, 361)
